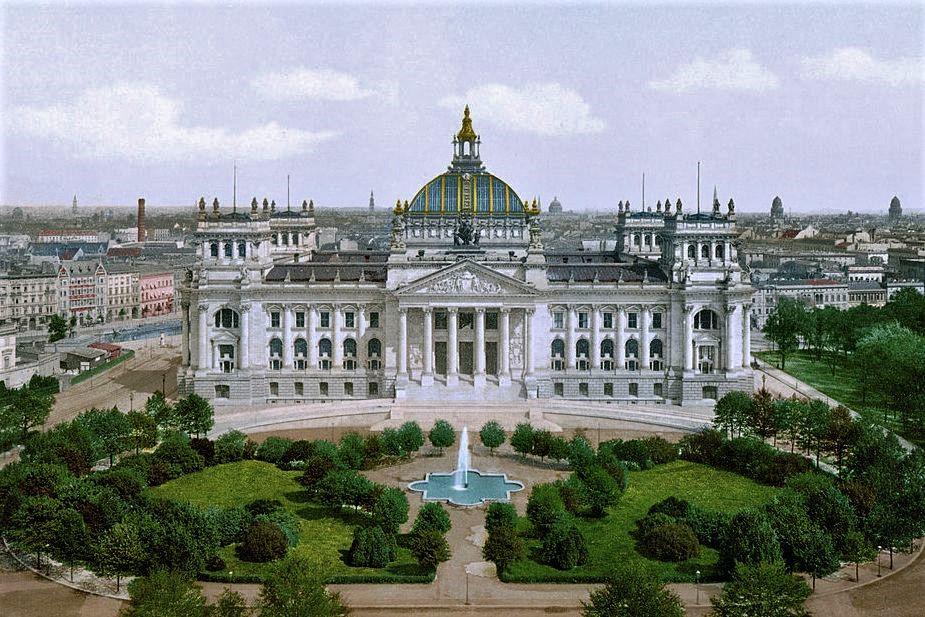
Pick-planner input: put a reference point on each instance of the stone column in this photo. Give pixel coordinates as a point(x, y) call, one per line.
point(746, 335)
point(505, 347)
point(403, 343)
point(528, 343)
point(337, 343)
point(244, 353)
point(184, 336)
point(311, 324)
point(427, 377)
point(688, 339)
point(621, 338)
point(361, 325)
point(644, 343)
point(570, 339)
point(287, 338)
point(730, 363)
point(203, 347)
point(479, 378)
point(452, 346)
point(215, 356)
point(595, 337)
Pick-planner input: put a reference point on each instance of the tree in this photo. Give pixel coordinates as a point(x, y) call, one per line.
point(762, 589)
point(429, 547)
point(390, 509)
point(391, 442)
point(340, 488)
point(442, 435)
point(633, 593)
point(411, 436)
point(750, 539)
point(70, 538)
point(500, 514)
point(371, 548)
point(784, 326)
point(37, 522)
point(26, 408)
point(229, 604)
point(542, 444)
point(732, 412)
point(564, 546)
point(163, 412)
point(120, 552)
point(113, 430)
point(263, 541)
point(840, 434)
point(431, 517)
point(816, 554)
point(580, 453)
point(142, 431)
point(544, 507)
point(230, 447)
point(166, 594)
point(294, 589)
point(762, 421)
point(57, 328)
point(858, 550)
point(522, 439)
point(600, 490)
point(492, 435)
point(558, 449)
point(503, 546)
point(351, 451)
point(194, 415)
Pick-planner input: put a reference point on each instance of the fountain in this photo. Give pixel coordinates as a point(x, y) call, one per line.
point(466, 486)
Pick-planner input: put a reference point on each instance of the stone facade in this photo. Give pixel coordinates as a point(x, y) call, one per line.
point(468, 304)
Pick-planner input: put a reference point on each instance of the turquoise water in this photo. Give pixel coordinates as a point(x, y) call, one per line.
point(479, 488)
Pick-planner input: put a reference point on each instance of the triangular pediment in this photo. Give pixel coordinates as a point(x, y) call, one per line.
point(467, 278)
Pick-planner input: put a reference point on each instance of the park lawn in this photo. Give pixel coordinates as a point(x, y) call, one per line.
point(842, 386)
point(610, 543)
point(324, 536)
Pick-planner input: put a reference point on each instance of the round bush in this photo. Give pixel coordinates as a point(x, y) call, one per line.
point(263, 541)
point(371, 548)
point(672, 542)
point(650, 522)
point(215, 564)
point(263, 506)
point(273, 449)
point(563, 546)
point(432, 517)
point(672, 506)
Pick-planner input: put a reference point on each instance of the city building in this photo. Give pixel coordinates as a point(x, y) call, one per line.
point(156, 291)
point(122, 291)
point(554, 206)
point(467, 303)
point(28, 298)
point(62, 236)
point(896, 210)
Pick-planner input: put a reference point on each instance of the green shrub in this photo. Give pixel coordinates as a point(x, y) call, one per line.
point(702, 447)
point(650, 522)
point(351, 451)
point(263, 506)
point(273, 449)
point(205, 448)
point(230, 446)
point(708, 525)
point(230, 523)
point(372, 451)
point(544, 507)
point(392, 442)
point(429, 548)
point(580, 453)
point(298, 452)
point(317, 466)
point(173, 458)
point(672, 542)
point(564, 546)
point(286, 521)
point(371, 548)
point(500, 515)
point(503, 546)
point(571, 490)
point(390, 508)
point(431, 517)
point(672, 506)
point(411, 436)
point(263, 541)
point(600, 490)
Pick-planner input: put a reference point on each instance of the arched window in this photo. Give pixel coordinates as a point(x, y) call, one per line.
point(655, 348)
point(558, 348)
point(276, 347)
point(301, 347)
point(607, 348)
point(706, 320)
point(691, 252)
point(705, 251)
point(242, 249)
point(658, 240)
point(286, 238)
point(637, 240)
point(719, 251)
point(582, 348)
point(229, 248)
point(350, 347)
point(213, 249)
point(632, 348)
point(324, 347)
point(374, 348)
point(226, 318)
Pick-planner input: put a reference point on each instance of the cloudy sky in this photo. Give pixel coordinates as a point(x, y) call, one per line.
point(820, 104)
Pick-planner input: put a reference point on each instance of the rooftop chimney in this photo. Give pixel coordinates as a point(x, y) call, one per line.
point(142, 232)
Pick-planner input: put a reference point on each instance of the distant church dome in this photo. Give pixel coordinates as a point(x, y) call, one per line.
point(466, 187)
point(554, 206)
point(777, 208)
point(896, 209)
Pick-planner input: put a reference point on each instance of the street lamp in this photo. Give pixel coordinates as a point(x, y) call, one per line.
point(697, 585)
point(879, 550)
point(467, 587)
point(131, 401)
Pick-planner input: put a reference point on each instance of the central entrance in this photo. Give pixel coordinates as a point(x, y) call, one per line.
point(466, 364)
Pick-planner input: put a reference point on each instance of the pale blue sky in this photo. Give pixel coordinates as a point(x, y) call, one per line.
point(820, 104)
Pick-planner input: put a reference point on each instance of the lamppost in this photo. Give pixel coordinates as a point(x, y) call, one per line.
point(467, 587)
point(879, 550)
point(131, 401)
point(697, 585)
point(164, 384)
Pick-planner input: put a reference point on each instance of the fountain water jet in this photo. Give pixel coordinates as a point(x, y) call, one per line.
point(461, 475)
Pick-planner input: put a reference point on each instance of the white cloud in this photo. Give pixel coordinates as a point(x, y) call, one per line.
point(135, 121)
point(301, 84)
point(854, 64)
point(733, 69)
point(548, 109)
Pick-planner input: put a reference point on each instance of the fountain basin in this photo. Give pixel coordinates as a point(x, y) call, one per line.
point(479, 488)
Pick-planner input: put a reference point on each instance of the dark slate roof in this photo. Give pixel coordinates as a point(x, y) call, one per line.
point(372, 273)
point(864, 286)
point(346, 257)
point(606, 273)
point(53, 249)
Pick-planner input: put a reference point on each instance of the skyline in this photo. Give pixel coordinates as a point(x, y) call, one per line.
point(159, 101)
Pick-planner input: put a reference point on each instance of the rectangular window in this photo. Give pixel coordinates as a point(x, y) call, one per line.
point(608, 320)
point(709, 392)
point(582, 320)
point(634, 388)
point(349, 319)
point(583, 388)
point(657, 389)
point(632, 320)
point(372, 388)
point(440, 320)
point(299, 388)
point(608, 389)
point(558, 389)
point(222, 391)
point(274, 319)
point(300, 319)
point(656, 320)
point(325, 319)
point(348, 389)
point(491, 321)
point(274, 388)
point(323, 388)
point(465, 321)
point(558, 320)
point(374, 320)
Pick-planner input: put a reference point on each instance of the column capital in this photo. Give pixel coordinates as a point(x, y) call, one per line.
point(621, 309)
point(203, 307)
point(480, 309)
point(246, 307)
point(688, 308)
point(403, 310)
point(505, 309)
point(427, 309)
point(746, 306)
point(452, 309)
point(529, 311)
point(729, 308)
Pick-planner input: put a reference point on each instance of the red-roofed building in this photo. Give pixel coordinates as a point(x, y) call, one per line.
point(112, 351)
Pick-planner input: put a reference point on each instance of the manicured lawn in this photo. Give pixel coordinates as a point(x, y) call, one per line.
point(609, 539)
point(842, 386)
point(324, 535)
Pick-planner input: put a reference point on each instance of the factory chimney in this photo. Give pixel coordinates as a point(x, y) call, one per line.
point(142, 232)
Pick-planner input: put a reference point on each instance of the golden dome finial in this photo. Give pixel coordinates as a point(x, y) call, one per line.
point(397, 209)
point(466, 133)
